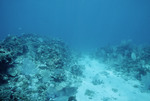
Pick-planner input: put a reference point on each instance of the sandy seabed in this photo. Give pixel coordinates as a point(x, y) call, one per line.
point(111, 87)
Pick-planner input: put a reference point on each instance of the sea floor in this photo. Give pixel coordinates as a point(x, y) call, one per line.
point(102, 84)
point(38, 69)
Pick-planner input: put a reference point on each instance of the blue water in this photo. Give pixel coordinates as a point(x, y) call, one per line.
point(80, 23)
point(38, 69)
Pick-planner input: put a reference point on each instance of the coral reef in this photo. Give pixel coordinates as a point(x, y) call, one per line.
point(33, 68)
point(126, 58)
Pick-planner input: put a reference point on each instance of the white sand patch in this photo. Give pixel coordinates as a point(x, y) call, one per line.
point(110, 87)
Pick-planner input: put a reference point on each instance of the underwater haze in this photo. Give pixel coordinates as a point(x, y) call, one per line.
point(74, 50)
point(80, 23)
